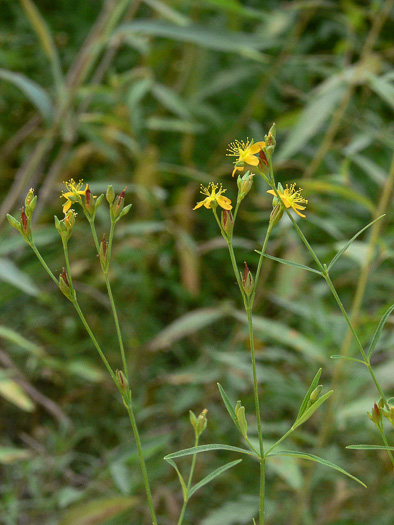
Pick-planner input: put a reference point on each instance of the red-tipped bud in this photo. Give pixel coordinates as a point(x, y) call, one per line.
point(247, 281)
point(65, 286)
point(103, 254)
point(64, 277)
point(376, 416)
point(263, 158)
point(118, 204)
point(88, 193)
point(24, 220)
point(227, 222)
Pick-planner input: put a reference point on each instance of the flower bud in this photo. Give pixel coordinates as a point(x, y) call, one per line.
point(29, 197)
point(122, 381)
point(64, 285)
point(375, 416)
point(276, 215)
point(241, 419)
point(227, 222)
point(103, 254)
point(30, 203)
point(118, 204)
point(110, 195)
point(244, 184)
point(14, 223)
point(202, 422)
point(25, 226)
point(125, 211)
point(247, 281)
point(315, 394)
point(391, 415)
point(263, 161)
point(198, 423)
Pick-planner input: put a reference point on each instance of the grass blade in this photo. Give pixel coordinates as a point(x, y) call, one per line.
point(334, 260)
point(207, 448)
point(379, 329)
point(316, 459)
point(290, 263)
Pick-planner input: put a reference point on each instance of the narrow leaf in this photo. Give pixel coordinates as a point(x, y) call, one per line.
point(35, 93)
point(311, 410)
point(213, 475)
point(208, 448)
point(314, 384)
point(334, 260)
point(347, 358)
point(290, 263)
point(181, 480)
point(369, 447)
point(228, 404)
point(316, 459)
point(379, 329)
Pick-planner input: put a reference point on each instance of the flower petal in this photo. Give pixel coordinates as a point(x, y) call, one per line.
point(198, 205)
point(224, 202)
point(256, 147)
point(252, 160)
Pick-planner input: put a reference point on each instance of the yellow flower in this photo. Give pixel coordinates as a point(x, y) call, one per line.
point(291, 198)
point(245, 152)
point(74, 190)
point(212, 196)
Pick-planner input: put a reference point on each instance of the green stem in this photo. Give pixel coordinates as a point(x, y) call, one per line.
point(232, 257)
point(44, 264)
point(186, 500)
point(257, 408)
point(109, 290)
point(279, 441)
point(381, 430)
point(142, 462)
point(267, 235)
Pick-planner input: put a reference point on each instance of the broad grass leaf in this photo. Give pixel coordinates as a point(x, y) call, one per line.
point(288, 469)
point(14, 393)
point(236, 512)
point(168, 12)
point(189, 323)
point(35, 93)
point(11, 454)
point(171, 100)
point(326, 187)
point(13, 337)
point(383, 87)
point(11, 274)
point(282, 334)
point(227, 41)
point(97, 511)
point(312, 118)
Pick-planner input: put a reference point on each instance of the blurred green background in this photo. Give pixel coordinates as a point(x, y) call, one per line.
point(147, 94)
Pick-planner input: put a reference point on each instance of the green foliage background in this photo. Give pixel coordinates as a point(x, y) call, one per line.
point(147, 94)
